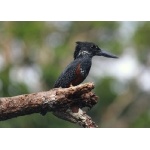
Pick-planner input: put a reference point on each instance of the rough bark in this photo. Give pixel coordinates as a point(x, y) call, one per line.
point(65, 103)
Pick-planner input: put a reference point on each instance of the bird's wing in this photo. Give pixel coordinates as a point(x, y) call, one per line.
point(68, 75)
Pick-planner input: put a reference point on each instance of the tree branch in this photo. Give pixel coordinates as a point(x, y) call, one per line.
point(65, 103)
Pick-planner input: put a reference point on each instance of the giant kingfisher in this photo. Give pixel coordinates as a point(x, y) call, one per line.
point(79, 68)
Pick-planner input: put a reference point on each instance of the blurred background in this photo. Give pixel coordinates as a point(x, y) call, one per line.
point(33, 54)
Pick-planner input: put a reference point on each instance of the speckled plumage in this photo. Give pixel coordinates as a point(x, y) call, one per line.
point(75, 73)
point(77, 70)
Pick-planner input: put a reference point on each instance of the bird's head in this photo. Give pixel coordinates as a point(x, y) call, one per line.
point(90, 49)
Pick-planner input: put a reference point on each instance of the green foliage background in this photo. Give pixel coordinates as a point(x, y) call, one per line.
point(33, 54)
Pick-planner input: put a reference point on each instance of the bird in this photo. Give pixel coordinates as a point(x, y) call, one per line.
point(77, 71)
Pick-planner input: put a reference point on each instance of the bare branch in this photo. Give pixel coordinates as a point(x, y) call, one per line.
point(65, 103)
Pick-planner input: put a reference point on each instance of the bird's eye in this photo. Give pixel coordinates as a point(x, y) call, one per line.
point(93, 47)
